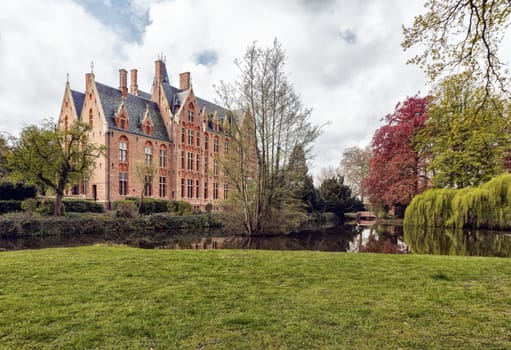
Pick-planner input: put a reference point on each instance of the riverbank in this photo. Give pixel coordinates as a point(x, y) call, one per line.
point(116, 297)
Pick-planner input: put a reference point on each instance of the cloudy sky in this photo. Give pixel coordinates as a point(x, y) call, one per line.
point(344, 56)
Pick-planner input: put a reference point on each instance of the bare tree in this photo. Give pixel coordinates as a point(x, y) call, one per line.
point(275, 122)
point(355, 167)
point(145, 172)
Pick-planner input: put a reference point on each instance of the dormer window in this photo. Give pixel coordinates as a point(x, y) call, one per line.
point(190, 116)
point(147, 123)
point(121, 118)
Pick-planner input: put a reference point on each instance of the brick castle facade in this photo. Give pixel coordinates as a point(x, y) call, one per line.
point(171, 128)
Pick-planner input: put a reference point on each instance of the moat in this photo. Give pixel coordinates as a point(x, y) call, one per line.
point(342, 238)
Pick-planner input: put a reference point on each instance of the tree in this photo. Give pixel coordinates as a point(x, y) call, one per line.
point(4, 150)
point(466, 136)
point(145, 172)
point(337, 196)
point(397, 171)
point(54, 158)
point(461, 34)
point(267, 122)
point(299, 182)
point(355, 167)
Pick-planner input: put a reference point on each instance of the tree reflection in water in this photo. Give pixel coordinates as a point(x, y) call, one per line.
point(443, 241)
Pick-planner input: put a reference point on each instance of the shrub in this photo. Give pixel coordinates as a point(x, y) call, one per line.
point(83, 206)
point(151, 206)
point(125, 209)
point(47, 207)
point(173, 206)
point(10, 206)
point(20, 191)
point(29, 204)
point(184, 208)
point(209, 207)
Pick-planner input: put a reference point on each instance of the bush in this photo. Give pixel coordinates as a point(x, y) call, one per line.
point(47, 207)
point(83, 206)
point(29, 204)
point(184, 208)
point(173, 207)
point(20, 191)
point(151, 206)
point(125, 209)
point(10, 206)
point(209, 208)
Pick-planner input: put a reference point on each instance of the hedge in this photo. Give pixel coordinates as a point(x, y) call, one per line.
point(27, 224)
point(154, 206)
point(83, 206)
point(10, 206)
point(20, 191)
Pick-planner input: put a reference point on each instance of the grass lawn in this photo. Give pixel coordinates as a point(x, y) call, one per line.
point(104, 297)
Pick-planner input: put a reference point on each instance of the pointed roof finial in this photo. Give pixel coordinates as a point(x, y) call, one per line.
point(67, 78)
point(92, 66)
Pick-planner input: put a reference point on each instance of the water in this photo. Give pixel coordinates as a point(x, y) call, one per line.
point(342, 238)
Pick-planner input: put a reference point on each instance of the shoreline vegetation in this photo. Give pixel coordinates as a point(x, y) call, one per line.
point(116, 297)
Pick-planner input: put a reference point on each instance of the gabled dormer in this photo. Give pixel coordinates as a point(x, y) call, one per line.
point(146, 123)
point(71, 107)
point(121, 117)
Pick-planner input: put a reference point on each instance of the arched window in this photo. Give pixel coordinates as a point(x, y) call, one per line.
point(148, 153)
point(91, 118)
point(65, 123)
point(123, 149)
point(163, 156)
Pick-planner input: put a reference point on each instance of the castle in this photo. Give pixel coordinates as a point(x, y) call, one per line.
point(171, 128)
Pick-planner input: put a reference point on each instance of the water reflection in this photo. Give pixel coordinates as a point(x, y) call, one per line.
point(441, 241)
point(380, 239)
point(341, 238)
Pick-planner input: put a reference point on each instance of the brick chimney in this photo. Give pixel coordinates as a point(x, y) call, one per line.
point(134, 86)
point(184, 81)
point(123, 82)
point(158, 71)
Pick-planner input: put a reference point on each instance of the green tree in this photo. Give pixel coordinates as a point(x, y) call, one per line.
point(355, 167)
point(300, 183)
point(4, 150)
point(277, 122)
point(54, 158)
point(466, 136)
point(337, 196)
point(461, 34)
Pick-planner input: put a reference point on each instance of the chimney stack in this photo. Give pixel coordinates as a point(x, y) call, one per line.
point(134, 86)
point(158, 71)
point(184, 81)
point(123, 82)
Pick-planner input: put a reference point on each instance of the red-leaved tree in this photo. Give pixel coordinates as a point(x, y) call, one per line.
point(397, 172)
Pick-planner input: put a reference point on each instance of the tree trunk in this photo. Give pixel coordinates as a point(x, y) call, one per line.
point(58, 204)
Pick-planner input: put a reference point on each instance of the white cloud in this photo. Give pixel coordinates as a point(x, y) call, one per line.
point(349, 84)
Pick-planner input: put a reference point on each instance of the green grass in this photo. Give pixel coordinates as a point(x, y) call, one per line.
point(103, 297)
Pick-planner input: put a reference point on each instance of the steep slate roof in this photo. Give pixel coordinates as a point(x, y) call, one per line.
point(136, 107)
point(212, 107)
point(145, 95)
point(171, 92)
point(78, 99)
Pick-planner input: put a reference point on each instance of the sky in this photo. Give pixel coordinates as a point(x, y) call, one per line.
point(344, 57)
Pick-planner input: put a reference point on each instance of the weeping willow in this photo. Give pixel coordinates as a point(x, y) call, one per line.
point(485, 206)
